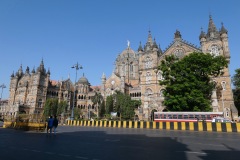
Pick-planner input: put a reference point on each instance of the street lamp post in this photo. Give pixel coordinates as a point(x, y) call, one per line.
point(77, 67)
point(2, 86)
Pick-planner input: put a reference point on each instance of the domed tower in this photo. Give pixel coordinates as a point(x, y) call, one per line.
point(83, 87)
point(126, 65)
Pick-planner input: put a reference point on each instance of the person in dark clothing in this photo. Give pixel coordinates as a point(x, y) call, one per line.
point(55, 124)
point(50, 124)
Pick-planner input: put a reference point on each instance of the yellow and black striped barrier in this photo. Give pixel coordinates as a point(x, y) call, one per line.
point(191, 126)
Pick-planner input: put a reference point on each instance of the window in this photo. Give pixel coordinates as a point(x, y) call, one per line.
point(40, 103)
point(148, 78)
point(160, 76)
point(214, 50)
point(148, 63)
point(161, 93)
point(179, 53)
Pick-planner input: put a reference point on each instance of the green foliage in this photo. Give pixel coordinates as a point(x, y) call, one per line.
point(50, 108)
point(236, 97)
point(97, 99)
point(236, 79)
point(236, 91)
point(102, 110)
point(187, 81)
point(109, 104)
point(124, 105)
point(62, 107)
point(77, 113)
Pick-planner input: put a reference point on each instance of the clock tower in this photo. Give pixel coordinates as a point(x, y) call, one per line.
point(215, 42)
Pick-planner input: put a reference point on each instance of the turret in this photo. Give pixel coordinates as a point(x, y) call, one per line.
point(177, 36)
point(212, 30)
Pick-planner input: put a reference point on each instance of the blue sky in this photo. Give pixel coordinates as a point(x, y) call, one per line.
point(94, 32)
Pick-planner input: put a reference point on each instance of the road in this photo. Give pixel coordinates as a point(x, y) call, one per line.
point(96, 143)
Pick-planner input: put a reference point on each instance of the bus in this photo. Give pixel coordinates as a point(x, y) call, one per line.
point(186, 116)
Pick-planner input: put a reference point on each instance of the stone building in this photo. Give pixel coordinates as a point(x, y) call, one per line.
point(135, 74)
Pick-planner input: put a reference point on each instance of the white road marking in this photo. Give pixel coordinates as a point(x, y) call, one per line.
point(193, 152)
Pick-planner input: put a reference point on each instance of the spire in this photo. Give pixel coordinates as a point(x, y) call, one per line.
point(103, 76)
point(155, 44)
point(159, 49)
point(212, 30)
point(33, 71)
point(149, 42)
point(48, 72)
point(140, 47)
point(27, 70)
point(223, 29)
point(12, 75)
point(41, 67)
point(202, 34)
point(20, 71)
point(149, 37)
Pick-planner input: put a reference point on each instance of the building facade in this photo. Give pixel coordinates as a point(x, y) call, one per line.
point(136, 73)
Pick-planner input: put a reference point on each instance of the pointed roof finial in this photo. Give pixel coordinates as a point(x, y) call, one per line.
point(103, 76)
point(223, 29)
point(212, 30)
point(140, 47)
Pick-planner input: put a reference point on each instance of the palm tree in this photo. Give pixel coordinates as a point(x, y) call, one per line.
point(97, 99)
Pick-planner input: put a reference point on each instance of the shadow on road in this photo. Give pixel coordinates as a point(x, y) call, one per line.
point(98, 145)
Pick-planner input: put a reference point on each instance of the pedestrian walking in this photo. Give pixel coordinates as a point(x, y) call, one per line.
point(50, 125)
point(55, 124)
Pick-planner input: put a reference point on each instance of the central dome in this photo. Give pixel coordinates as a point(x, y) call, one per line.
point(128, 52)
point(83, 80)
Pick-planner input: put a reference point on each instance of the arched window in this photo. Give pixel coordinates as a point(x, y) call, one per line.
point(161, 93)
point(123, 70)
point(148, 63)
point(149, 92)
point(40, 103)
point(148, 78)
point(223, 83)
point(214, 50)
point(160, 76)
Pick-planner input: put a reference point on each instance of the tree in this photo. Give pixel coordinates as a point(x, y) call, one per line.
point(236, 79)
point(97, 99)
point(102, 110)
point(50, 107)
point(124, 105)
point(109, 104)
point(236, 90)
point(62, 106)
point(187, 81)
point(77, 113)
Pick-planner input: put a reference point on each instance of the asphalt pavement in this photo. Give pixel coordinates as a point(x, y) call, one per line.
point(97, 143)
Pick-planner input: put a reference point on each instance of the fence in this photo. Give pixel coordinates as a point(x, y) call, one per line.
point(191, 126)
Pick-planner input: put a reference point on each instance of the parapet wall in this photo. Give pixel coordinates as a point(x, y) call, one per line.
point(191, 126)
point(25, 125)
